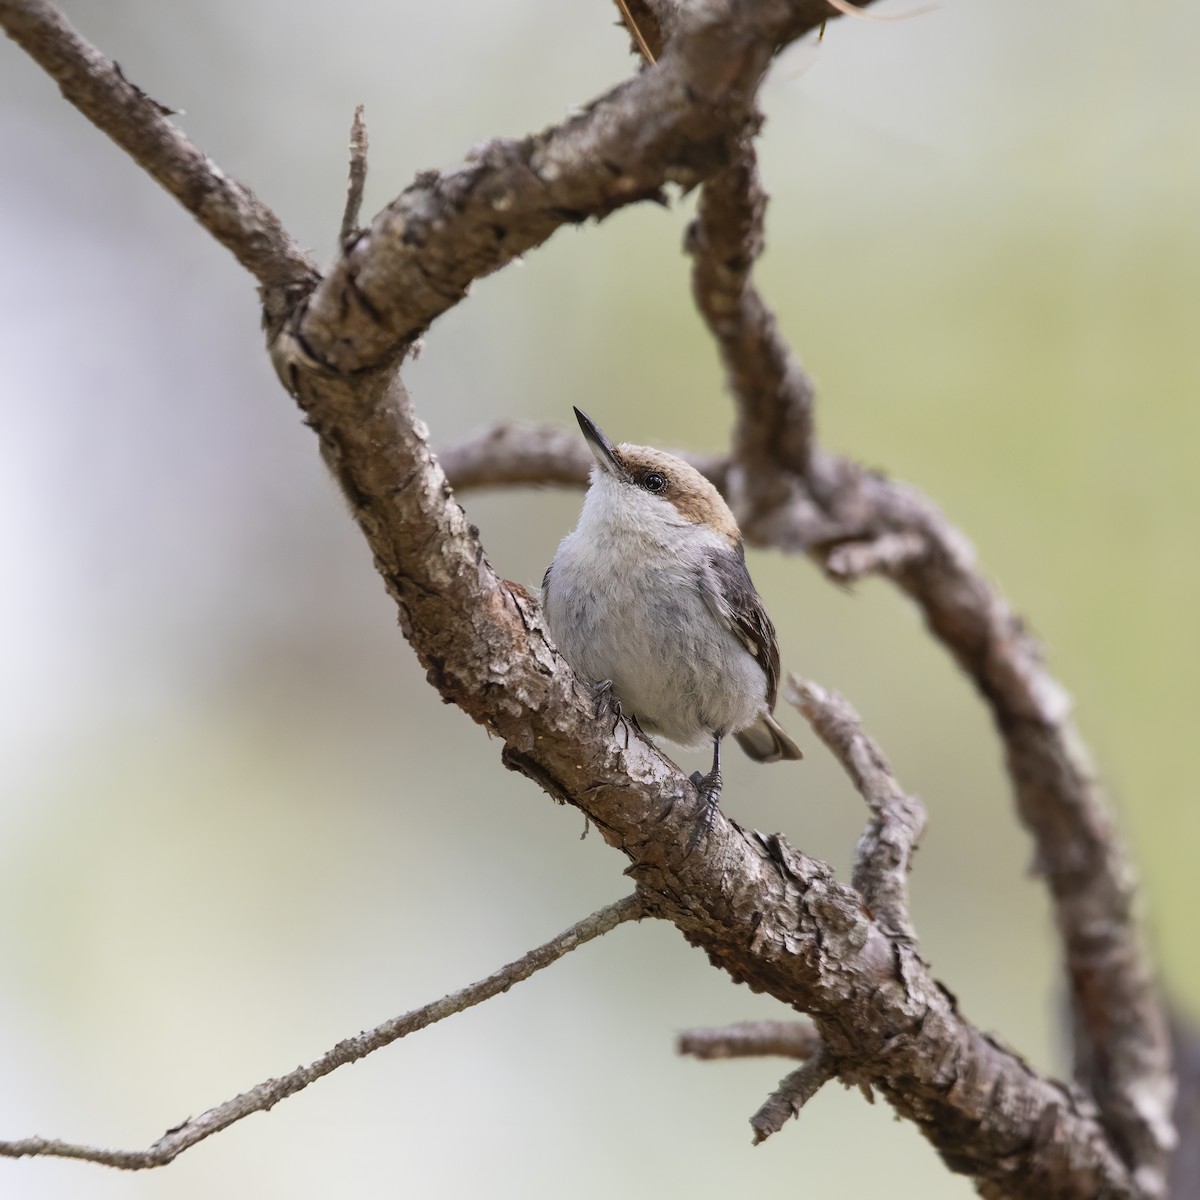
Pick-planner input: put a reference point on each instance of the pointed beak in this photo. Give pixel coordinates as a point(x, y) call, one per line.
point(602, 449)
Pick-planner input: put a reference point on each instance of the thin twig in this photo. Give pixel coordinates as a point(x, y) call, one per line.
point(751, 1039)
point(884, 852)
point(638, 36)
point(267, 1094)
point(794, 1092)
point(358, 177)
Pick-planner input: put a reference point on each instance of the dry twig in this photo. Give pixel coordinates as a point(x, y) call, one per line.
point(510, 453)
point(884, 853)
point(635, 31)
point(267, 1094)
point(792, 1094)
point(751, 1039)
point(358, 178)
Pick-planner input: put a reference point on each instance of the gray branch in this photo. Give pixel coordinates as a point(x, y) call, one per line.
point(511, 453)
point(790, 494)
point(792, 1094)
point(270, 1092)
point(775, 396)
point(884, 852)
point(751, 1039)
point(358, 178)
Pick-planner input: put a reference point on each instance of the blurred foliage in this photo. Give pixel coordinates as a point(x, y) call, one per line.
point(224, 839)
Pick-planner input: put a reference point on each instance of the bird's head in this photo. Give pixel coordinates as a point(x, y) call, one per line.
point(650, 487)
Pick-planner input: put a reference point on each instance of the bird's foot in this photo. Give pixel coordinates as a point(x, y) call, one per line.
point(607, 705)
point(709, 787)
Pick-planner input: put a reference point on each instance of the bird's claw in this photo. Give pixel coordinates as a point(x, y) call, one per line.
point(607, 705)
point(709, 787)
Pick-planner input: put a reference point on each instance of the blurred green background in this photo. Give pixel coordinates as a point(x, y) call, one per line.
point(236, 824)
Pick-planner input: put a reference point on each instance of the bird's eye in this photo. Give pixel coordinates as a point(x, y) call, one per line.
point(654, 482)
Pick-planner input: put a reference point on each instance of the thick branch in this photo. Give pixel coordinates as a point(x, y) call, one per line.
point(774, 433)
point(269, 1093)
point(870, 521)
point(1125, 1057)
point(766, 914)
point(675, 122)
point(788, 493)
point(96, 86)
point(1127, 1063)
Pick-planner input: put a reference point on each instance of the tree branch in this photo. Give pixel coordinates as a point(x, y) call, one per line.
point(765, 913)
point(751, 1039)
point(1127, 1062)
point(794, 1092)
point(774, 433)
point(674, 122)
point(97, 87)
point(787, 492)
point(870, 522)
point(358, 178)
point(270, 1092)
point(511, 453)
point(884, 853)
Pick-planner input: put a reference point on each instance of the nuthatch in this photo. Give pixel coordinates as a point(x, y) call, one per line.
point(650, 601)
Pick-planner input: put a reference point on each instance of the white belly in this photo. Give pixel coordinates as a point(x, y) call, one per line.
point(648, 628)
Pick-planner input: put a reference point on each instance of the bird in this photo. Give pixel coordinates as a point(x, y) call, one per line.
point(650, 602)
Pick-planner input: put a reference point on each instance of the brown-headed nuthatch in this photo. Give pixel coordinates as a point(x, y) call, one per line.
point(650, 601)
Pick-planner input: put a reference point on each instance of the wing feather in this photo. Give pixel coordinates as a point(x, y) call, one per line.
point(730, 593)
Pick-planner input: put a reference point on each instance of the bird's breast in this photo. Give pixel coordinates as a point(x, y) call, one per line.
point(636, 614)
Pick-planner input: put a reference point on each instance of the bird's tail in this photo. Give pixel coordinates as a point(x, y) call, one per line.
point(765, 741)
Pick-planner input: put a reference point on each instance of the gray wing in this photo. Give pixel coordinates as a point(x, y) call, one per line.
point(729, 592)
